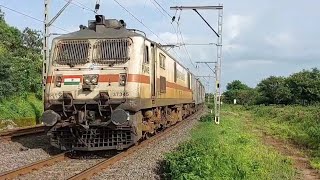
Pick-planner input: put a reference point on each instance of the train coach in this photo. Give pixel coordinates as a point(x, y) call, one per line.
point(108, 87)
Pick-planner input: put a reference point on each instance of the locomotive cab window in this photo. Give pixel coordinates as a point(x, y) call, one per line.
point(146, 55)
point(162, 61)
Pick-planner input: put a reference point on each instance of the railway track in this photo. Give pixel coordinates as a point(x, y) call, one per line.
point(9, 134)
point(99, 167)
point(33, 167)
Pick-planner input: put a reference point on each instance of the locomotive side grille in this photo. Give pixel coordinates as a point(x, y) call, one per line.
point(111, 51)
point(72, 52)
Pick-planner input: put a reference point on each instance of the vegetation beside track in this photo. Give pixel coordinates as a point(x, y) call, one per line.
point(20, 72)
point(230, 150)
point(298, 124)
point(22, 111)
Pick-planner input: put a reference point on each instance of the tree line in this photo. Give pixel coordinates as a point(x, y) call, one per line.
point(20, 61)
point(299, 88)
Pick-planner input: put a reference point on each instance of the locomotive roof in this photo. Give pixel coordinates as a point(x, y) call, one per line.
point(104, 33)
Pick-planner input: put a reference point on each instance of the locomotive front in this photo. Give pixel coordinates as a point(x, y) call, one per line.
point(91, 93)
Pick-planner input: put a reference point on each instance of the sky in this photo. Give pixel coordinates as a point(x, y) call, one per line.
point(260, 38)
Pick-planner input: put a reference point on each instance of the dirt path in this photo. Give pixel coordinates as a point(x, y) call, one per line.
point(300, 161)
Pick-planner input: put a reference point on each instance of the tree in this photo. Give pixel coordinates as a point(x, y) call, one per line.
point(240, 91)
point(1, 15)
point(248, 96)
point(236, 85)
point(20, 61)
point(10, 38)
point(275, 90)
point(32, 40)
point(305, 86)
point(6, 86)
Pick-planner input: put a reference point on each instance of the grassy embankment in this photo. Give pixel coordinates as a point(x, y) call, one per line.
point(300, 125)
point(230, 150)
point(23, 111)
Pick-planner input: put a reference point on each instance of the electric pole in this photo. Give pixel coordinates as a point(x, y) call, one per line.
point(46, 39)
point(218, 68)
point(45, 48)
point(217, 71)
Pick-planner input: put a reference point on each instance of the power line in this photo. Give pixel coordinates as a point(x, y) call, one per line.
point(31, 17)
point(137, 19)
point(153, 2)
point(174, 29)
point(185, 48)
point(163, 8)
point(82, 6)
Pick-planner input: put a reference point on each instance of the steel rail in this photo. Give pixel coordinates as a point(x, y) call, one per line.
point(98, 168)
point(33, 167)
point(8, 134)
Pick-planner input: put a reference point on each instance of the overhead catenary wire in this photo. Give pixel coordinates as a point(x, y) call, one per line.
point(177, 31)
point(182, 39)
point(185, 48)
point(138, 20)
point(31, 17)
point(144, 25)
point(162, 8)
point(82, 6)
point(174, 29)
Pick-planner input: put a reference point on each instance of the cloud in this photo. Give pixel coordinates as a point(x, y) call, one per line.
point(280, 40)
point(253, 63)
point(235, 28)
point(235, 24)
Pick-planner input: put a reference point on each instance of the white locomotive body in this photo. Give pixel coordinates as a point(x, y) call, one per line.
point(108, 87)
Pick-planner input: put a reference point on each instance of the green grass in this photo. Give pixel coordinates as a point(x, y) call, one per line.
point(23, 111)
point(298, 124)
point(226, 151)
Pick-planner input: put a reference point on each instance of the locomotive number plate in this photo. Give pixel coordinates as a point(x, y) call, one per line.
point(120, 94)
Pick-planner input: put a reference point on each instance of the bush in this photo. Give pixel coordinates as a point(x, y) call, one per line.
point(24, 111)
point(227, 151)
point(207, 118)
point(299, 124)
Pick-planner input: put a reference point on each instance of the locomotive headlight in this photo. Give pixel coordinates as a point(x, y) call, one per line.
point(58, 81)
point(94, 79)
point(58, 84)
point(122, 79)
point(90, 79)
point(87, 80)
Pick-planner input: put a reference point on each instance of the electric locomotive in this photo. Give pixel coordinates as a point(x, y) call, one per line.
point(107, 87)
